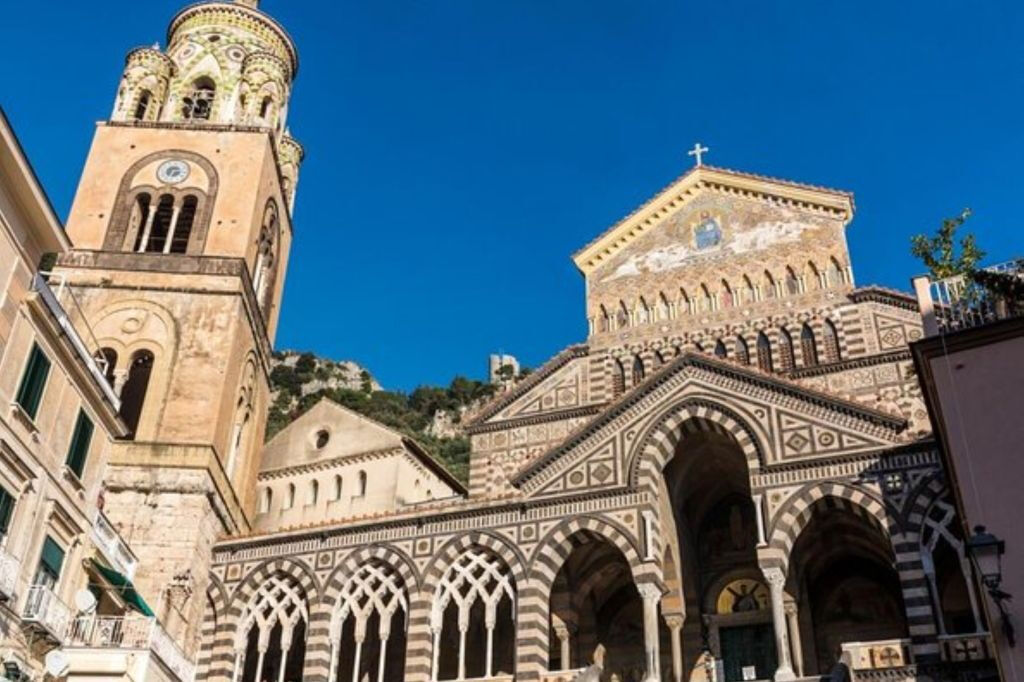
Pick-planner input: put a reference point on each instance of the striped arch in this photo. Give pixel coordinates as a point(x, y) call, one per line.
point(790, 521)
point(214, 650)
point(555, 547)
point(691, 416)
point(929, 489)
point(419, 647)
point(302, 573)
point(794, 517)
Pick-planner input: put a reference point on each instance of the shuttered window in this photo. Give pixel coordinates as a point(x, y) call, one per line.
point(33, 381)
point(80, 441)
point(6, 511)
point(50, 563)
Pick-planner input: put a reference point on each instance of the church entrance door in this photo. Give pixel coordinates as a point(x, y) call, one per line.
point(748, 649)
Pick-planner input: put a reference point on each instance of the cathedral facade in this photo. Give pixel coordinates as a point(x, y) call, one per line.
point(731, 478)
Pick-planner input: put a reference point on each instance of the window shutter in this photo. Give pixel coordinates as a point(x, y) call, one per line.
point(52, 558)
point(6, 511)
point(33, 381)
point(80, 441)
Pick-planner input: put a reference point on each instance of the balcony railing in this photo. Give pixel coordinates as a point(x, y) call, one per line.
point(130, 633)
point(114, 548)
point(69, 316)
point(878, 655)
point(45, 610)
point(955, 303)
point(972, 647)
point(9, 569)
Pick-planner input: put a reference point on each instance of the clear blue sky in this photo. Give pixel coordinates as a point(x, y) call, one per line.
point(460, 150)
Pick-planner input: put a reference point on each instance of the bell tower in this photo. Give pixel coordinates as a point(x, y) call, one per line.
point(182, 225)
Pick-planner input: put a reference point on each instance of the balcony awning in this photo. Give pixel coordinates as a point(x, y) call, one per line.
point(124, 587)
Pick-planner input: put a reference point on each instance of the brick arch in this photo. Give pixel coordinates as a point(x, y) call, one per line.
point(386, 554)
point(453, 548)
point(791, 520)
point(292, 568)
point(554, 548)
point(927, 491)
point(214, 640)
point(657, 447)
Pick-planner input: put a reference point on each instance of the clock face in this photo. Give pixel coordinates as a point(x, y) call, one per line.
point(172, 172)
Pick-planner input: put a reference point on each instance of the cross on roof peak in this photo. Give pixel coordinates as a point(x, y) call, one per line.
point(697, 152)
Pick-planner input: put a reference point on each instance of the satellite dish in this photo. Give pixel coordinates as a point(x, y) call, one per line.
point(85, 601)
point(57, 664)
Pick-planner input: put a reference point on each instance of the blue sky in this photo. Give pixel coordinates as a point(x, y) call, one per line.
point(460, 150)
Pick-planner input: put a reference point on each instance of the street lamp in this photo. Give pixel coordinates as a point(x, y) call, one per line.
point(986, 553)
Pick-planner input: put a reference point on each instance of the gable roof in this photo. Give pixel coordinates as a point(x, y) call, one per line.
point(732, 369)
point(350, 434)
point(834, 202)
point(503, 400)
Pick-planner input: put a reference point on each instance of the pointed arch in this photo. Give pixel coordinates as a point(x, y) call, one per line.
point(764, 352)
point(621, 316)
point(683, 306)
point(720, 349)
point(605, 323)
point(742, 350)
point(726, 297)
point(638, 370)
point(813, 276)
point(834, 273)
point(642, 312)
point(664, 309)
point(770, 287)
point(618, 378)
point(264, 272)
point(808, 346)
point(787, 359)
point(271, 635)
point(830, 341)
point(749, 291)
point(792, 282)
point(705, 302)
point(198, 103)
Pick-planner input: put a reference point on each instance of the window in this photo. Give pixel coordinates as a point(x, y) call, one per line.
point(769, 285)
point(266, 500)
point(314, 492)
point(133, 395)
point(833, 273)
point(720, 350)
point(263, 270)
point(362, 483)
point(50, 562)
point(618, 378)
point(638, 370)
point(6, 512)
point(786, 359)
point(813, 276)
point(764, 353)
point(808, 348)
point(792, 283)
point(142, 107)
point(742, 352)
point(726, 296)
point(830, 342)
point(33, 381)
point(80, 441)
point(266, 108)
point(107, 358)
point(337, 487)
point(198, 104)
point(153, 237)
point(181, 229)
point(289, 501)
point(322, 436)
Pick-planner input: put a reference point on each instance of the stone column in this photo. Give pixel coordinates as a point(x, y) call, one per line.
point(562, 633)
point(675, 626)
point(175, 212)
point(794, 637)
point(776, 580)
point(148, 226)
point(651, 596)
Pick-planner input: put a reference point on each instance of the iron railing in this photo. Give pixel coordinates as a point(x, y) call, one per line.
point(133, 633)
point(44, 609)
point(959, 302)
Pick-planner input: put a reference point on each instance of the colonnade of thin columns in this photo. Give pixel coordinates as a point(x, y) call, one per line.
point(172, 228)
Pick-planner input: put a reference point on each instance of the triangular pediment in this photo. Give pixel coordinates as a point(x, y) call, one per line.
point(777, 421)
point(827, 203)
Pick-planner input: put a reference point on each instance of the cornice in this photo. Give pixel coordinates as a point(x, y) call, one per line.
point(899, 355)
point(835, 203)
point(878, 294)
point(332, 463)
point(539, 418)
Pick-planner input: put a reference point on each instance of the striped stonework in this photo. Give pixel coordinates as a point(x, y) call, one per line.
point(689, 417)
point(821, 497)
point(215, 649)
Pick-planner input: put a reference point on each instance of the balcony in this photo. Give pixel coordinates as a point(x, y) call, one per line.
point(72, 321)
point(129, 635)
point(959, 302)
point(9, 569)
point(46, 613)
point(113, 547)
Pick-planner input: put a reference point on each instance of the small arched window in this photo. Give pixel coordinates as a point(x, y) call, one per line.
point(266, 249)
point(153, 235)
point(314, 491)
point(813, 276)
point(362, 483)
point(683, 303)
point(792, 283)
point(133, 395)
point(618, 378)
point(808, 347)
point(659, 359)
point(704, 303)
point(764, 352)
point(727, 298)
point(142, 106)
point(197, 105)
point(786, 359)
point(138, 218)
point(337, 487)
point(830, 342)
point(621, 316)
point(663, 307)
point(266, 499)
point(742, 351)
point(642, 312)
point(720, 350)
point(749, 293)
point(606, 320)
point(638, 370)
point(769, 285)
point(289, 500)
point(834, 273)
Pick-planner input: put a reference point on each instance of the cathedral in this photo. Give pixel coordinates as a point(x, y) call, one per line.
point(732, 478)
